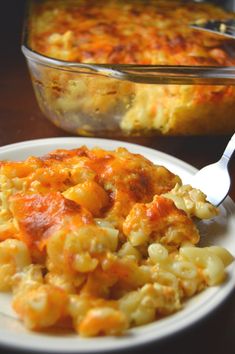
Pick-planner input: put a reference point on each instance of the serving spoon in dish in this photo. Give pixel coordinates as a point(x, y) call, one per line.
point(214, 179)
point(224, 28)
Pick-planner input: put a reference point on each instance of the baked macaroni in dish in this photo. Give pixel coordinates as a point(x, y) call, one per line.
point(101, 241)
point(129, 32)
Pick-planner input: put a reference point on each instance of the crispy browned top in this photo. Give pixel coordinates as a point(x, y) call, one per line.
point(150, 32)
point(68, 188)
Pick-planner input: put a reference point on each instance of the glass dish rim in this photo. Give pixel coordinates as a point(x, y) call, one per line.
point(148, 74)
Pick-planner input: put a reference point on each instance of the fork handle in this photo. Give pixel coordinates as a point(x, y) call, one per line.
point(229, 150)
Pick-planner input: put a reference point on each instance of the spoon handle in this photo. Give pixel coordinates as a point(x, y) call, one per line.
point(229, 150)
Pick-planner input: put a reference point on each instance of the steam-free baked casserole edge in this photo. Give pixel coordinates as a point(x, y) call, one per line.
point(119, 69)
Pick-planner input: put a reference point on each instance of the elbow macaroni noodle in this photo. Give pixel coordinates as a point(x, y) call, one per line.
point(101, 240)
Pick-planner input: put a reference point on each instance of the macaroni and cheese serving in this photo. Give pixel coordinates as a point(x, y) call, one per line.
point(101, 241)
point(144, 33)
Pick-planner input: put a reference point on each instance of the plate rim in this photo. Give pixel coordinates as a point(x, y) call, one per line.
point(26, 143)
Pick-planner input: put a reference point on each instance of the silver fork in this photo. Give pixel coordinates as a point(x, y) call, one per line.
point(214, 179)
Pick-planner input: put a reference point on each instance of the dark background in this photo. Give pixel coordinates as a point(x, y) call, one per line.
point(20, 119)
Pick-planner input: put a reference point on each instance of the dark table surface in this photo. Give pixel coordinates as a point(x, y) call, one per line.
point(21, 119)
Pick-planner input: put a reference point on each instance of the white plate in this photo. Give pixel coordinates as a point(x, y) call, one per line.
point(220, 231)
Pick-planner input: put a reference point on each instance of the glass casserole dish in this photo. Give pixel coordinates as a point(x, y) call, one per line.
point(124, 68)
